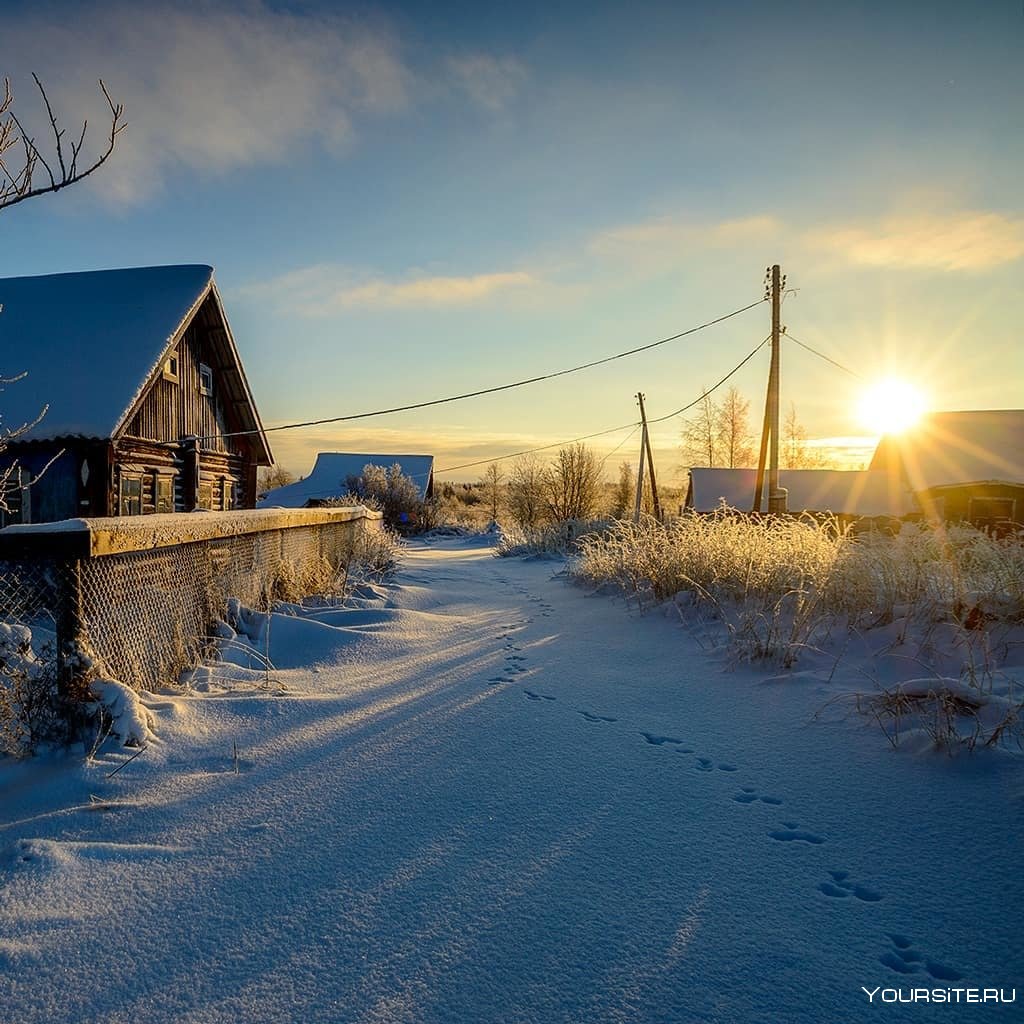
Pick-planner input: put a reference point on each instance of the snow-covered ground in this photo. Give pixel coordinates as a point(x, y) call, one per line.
point(485, 795)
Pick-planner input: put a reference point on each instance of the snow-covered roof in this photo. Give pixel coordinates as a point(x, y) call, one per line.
point(332, 469)
point(849, 492)
point(88, 343)
point(956, 448)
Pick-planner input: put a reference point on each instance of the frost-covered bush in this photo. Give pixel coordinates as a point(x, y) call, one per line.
point(945, 714)
point(396, 495)
point(31, 710)
point(561, 538)
point(129, 719)
point(372, 557)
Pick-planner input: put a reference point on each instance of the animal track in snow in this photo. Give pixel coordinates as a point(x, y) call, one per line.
point(904, 959)
point(597, 718)
point(748, 795)
point(515, 657)
point(841, 887)
point(530, 695)
point(705, 764)
point(725, 766)
point(792, 833)
point(655, 740)
point(496, 680)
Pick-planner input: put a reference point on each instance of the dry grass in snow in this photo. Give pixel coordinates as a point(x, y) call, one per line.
point(783, 588)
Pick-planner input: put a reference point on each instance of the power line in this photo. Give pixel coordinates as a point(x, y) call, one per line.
point(619, 445)
point(686, 408)
point(821, 355)
point(542, 448)
point(611, 430)
point(493, 390)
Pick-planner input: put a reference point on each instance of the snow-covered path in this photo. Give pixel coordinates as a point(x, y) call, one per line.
point(496, 798)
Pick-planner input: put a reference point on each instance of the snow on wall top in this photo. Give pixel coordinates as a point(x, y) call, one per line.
point(144, 533)
point(850, 492)
point(332, 469)
point(87, 343)
point(957, 448)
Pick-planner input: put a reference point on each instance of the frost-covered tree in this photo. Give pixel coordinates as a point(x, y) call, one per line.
point(700, 435)
point(732, 429)
point(718, 433)
point(492, 485)
point(572, 486)
point(622, 492)
point(272, 477)
point(794, 450)
point(524, 496)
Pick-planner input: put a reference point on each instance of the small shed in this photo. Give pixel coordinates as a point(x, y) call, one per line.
point(841, 492)
point(961, 466)
point(331, 471)
point(133, 392)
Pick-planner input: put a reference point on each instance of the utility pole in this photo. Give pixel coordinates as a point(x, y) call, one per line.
point(777, 496)
point(650, 457)
point(640, 477)
point(762, 459)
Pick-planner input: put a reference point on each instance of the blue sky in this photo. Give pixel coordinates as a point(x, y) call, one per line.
point(404, 203)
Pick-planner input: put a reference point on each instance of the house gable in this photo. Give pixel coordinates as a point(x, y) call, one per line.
point(197, 388)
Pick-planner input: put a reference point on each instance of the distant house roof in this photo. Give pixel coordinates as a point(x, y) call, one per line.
point(956, 448)
point(89, 343)
point(849, 492)
point(332, 469)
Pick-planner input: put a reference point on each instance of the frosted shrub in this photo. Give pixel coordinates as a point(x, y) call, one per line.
point(396, 495)
point(31, 711)
point(555, 539)
point(372, 557)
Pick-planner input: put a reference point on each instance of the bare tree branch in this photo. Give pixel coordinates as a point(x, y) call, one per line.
point(62, 169)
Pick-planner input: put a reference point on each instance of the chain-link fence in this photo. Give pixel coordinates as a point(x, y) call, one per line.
point(134, 600)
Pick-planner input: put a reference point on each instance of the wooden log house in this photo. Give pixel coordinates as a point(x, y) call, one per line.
point(141, 390)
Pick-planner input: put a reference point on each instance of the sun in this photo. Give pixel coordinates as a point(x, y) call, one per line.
point(891, 405)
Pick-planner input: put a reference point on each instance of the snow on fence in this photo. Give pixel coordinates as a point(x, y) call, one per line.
point(134, 598)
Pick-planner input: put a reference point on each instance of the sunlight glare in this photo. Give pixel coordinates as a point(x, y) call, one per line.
point(891, 406)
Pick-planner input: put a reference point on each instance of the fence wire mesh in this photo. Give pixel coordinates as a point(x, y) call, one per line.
point(142, 617)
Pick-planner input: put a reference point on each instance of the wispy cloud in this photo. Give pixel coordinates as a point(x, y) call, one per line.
point(673, 233)
point(491, 82)
point(432, 291)
point(973, 240)
point(324, 290)
point(216, 88)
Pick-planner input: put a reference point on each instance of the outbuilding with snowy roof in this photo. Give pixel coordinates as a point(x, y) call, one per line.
point(850, 493)
point(128, 396)
point(965, 466)
point(332, 471)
